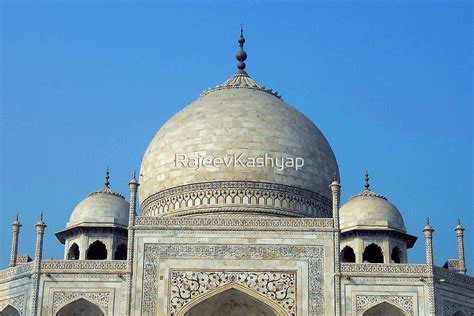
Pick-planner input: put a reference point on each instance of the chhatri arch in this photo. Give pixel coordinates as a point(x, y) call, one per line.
point(261, 302)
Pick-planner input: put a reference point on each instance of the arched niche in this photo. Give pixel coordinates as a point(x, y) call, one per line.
point(96, 251)
point(458, 313)
point(80, 307)
point(73, 253)
point(385, 309)
point(9, 311)
point(397, 255)
point(372, 254)
point(232, 300)
point(121, 252)
point(348, 255)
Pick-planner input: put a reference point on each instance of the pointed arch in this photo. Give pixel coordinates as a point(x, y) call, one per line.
point(458, 313)
point(80, 307)
point(73, 253)
point(348, 255)
point(9, 310)
point(96, 251)
point(239, 294)
point(397, 255)
point(121, 252)
point(372, 254)
point(384, 308)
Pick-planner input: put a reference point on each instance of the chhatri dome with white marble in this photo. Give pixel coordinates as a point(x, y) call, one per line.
point(235, 211)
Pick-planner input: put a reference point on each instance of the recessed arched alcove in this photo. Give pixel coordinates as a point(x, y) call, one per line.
point(73, 253)
point(396, 256)
point(97, 251)
point(80, 307)
point(348, 255)
point(121, 252)
point(385, 309)
point(9, 311)
point(232, 300)
point(372, 254)
point(458, 313)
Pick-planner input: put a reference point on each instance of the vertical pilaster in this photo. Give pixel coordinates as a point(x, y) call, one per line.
point(335, 188)
point(460, 234)
point(133, 185)
point(15, 233)
point(428, 231)
point(35, 276)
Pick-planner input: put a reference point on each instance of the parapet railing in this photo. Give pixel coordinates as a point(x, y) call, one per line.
point(445, 274)
point(383, 268)
point(23, 269)
point(84, 266)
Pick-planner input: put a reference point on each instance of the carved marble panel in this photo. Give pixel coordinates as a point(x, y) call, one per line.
point(279, 286)
point(153, 253)
point(17, 301)
point(62, 298)
point(363, 302)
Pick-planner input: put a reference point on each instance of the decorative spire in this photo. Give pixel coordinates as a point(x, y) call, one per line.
point(107, 177)
point(367, 185)
point(241, 54)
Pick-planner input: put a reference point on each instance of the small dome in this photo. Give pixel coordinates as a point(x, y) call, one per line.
point(369, 210)
point(101, 208)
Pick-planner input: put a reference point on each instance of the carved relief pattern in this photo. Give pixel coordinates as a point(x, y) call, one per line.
point(452, 275)
point(243, 223)
point(277, 286)
point(258, 196)
point(18, 302)
point(61, 299)
point(450, 308)
point(16, 270)
point(84, 265)
point(154, 252)
point(364, 301)
point(383, 268)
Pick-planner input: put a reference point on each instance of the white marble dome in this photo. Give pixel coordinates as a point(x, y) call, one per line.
point(101, 208)
point(369, 210)
point(238, 116)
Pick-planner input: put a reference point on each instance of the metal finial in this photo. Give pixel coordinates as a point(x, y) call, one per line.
point(459, 221)
point(41, 216)
point(17, 218)
point(241, 54)
point(135, 175)
point(367, 185)
point(335, 176)
point(107, 177)
point(427, 221)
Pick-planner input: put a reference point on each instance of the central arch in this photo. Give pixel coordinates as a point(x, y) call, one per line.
point(9, 311)
point(232, 300)
point(80, 307)
point(385, 309)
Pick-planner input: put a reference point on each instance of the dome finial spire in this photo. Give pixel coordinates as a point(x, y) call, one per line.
point(241, 54)
point(107, 177)
point(367, 185)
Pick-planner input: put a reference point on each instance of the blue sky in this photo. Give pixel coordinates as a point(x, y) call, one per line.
point(87, 84)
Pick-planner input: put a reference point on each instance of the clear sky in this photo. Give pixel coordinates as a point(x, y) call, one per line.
point(87, 84)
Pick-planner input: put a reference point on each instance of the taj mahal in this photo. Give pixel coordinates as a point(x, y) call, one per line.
point(235, 239)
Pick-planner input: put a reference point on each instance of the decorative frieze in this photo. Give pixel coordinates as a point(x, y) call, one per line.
point(238, 223)
point(278, 286)
point(363, 302)
point(237, 196)
point(62, 298)
point(86, 266)
point(17, 302)
point(383, 268)
point(446, 274)
point(17, 270)
point(154, 253)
